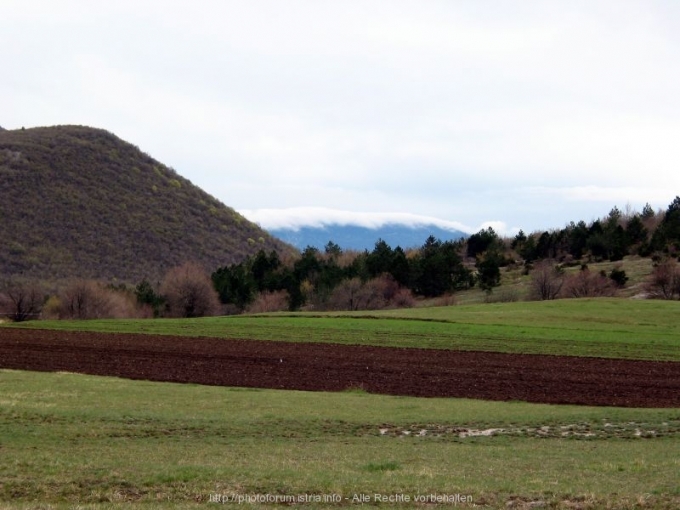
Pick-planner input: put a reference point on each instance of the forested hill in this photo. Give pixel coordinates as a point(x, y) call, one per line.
point(80, 202)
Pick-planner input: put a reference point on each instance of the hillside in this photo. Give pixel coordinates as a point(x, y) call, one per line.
point(80, 202)
point(355, 237)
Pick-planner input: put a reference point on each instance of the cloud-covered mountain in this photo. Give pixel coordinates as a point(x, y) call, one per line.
point(352, 237)
point(314, 226)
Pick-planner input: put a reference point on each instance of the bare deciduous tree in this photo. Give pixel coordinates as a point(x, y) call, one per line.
point(377, 293)
point(21, 301)
point(87, 299)
point(189, 292)
point(664, 282)
point(347, 295)
point(354, 295)
point(546, 280)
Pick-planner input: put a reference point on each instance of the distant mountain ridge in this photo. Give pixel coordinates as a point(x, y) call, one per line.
point(356, 237)
point(80, 202)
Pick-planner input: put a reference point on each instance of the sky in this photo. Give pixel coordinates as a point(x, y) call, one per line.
point(515, 114)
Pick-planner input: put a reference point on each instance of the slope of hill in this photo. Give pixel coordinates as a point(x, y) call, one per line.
point(354, 237)
point(79, 202)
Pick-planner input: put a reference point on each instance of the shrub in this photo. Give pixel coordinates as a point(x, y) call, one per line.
point(618, 276)
point(352, 294)
point(21, 301)
point(148, 298)
point(546, 281)
point(588, 284)
point(664, 282)
point(87, 299)
point(269, 301)
point(51, 308)
point(403, 299)
point(188, 292)
point(377, 293)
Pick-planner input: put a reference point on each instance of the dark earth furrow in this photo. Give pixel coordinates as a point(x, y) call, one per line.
point(330, 367)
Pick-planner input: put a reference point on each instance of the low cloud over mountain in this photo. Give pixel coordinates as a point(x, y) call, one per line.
point(295, 218)
point(315, 226)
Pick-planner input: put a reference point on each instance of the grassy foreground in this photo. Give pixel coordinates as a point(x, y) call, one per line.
point(98, 442)
point(615, 328)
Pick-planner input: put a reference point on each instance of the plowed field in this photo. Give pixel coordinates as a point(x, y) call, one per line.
point(329, 367)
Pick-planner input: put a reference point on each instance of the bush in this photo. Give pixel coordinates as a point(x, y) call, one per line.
point(618, 276)
point(87, 299)
point(51, 308)
point(188, 292)
point(377, 293)
point(546, 281)
point(352, 294)
point(149, 299)
point(664, 282)
point(588, 284)
point(269, 301)
point(403, 299)
point(21, 301)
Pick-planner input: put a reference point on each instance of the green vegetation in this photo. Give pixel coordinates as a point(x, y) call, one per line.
point(616, 328)
point(76, 201)
point(564, 263)
point(482, 268)
point(516, 281)
point(79, 202)
point(157, 445)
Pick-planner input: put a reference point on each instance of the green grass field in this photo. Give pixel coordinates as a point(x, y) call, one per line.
point(75, 441)
point(616, 328)
point(98, 442)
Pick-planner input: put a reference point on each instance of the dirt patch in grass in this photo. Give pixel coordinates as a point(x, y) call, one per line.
point(330, 367)
point(602, 430)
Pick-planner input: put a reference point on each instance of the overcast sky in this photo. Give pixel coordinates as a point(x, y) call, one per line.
point(525, 114)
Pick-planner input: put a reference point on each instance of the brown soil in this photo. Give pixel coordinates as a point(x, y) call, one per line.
point(329, 367)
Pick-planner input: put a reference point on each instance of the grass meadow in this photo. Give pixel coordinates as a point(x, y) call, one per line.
point(77, 441)
point(615, 328)
point(99, 442)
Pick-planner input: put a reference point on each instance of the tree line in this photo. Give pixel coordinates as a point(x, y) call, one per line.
point(333, 279)
point(610, 238)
